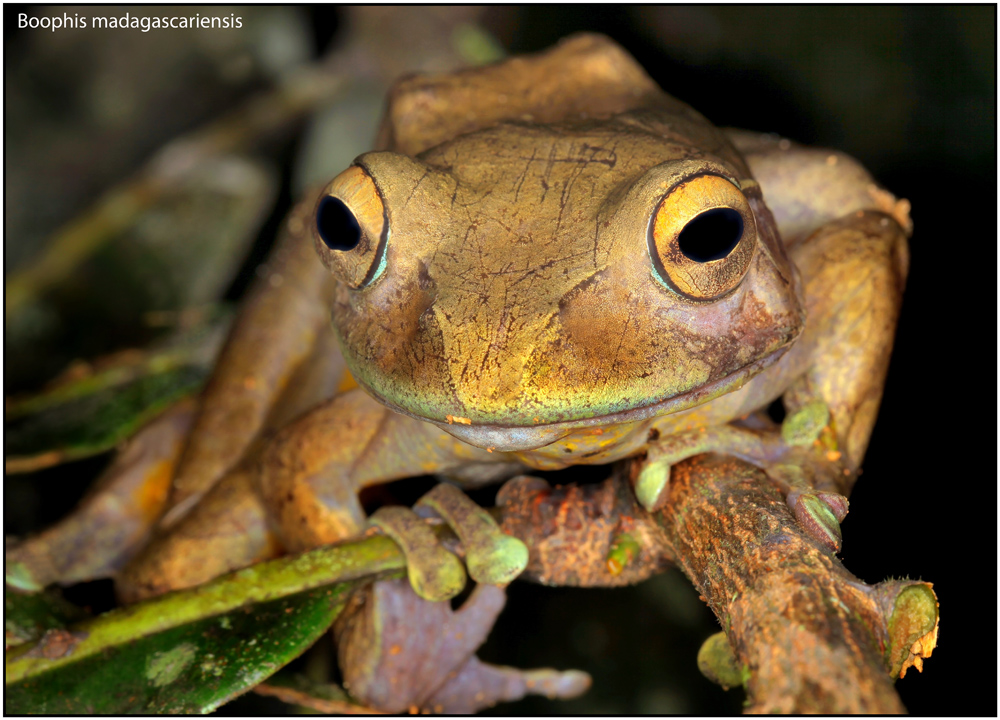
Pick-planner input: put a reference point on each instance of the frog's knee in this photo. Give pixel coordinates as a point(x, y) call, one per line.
point(864, 250)
point(807, 187)
point(308, 509)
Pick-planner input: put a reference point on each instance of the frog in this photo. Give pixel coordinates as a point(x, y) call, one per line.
point(546, 262)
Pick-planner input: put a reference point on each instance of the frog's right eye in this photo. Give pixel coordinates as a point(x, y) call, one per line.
point(350, 228)
point(701, 237)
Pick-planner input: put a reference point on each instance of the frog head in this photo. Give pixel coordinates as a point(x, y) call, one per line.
point(527, 279)
point(530, 277)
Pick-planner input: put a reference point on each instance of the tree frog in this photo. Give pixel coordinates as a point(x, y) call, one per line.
point(547, 262)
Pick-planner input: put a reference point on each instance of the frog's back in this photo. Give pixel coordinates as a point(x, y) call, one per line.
point(585, 76)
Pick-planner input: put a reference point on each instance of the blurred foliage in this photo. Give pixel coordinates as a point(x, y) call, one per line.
point(90, 410)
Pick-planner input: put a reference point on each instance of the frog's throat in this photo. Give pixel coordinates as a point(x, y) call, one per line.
point(501, 438)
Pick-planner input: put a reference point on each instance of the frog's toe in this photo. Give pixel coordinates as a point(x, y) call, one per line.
point(804, 426)
point(491, 556)
point(651, 485)
point(820, 513)
point(435, 574)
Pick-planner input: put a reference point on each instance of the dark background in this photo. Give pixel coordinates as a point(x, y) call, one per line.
point(910, 92)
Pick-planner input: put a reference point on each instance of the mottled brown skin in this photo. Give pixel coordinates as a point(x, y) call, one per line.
point(522, 315)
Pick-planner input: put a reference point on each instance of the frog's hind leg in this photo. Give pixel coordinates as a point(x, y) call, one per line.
point(227, 530)
point(807, 187)
point(265, 374)
point(114, 519)
point(281, 358)
point(853, 264)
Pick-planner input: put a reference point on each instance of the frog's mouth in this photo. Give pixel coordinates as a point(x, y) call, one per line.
point(520, 438)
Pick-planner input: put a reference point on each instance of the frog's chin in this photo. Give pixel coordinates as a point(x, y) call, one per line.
point(520, 438)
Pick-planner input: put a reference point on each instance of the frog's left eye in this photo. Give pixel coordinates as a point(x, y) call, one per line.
point(351, 228)
point(702, 237)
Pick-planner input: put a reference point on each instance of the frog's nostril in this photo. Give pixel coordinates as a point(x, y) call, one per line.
point(712, 235)
point(336, 224)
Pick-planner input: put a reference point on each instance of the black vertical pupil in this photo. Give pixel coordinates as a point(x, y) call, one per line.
point(336, 224)
point(711, 235)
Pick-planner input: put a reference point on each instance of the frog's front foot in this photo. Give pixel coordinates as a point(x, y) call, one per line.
point(399, 652)
point(820, 514)
point(491, 556)
point(434, 573)
point(800, 456)
point(811, 471)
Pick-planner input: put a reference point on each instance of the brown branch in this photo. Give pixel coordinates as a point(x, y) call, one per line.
point(571, 530)
point(807, 630)
point(807, 635)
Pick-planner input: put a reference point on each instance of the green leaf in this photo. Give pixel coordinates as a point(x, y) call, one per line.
point(192, 668)
point(93, 410)
point(97, 422)
point(192, 650)
point(28, 615)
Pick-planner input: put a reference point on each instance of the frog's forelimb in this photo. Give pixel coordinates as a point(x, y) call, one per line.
point(435, 574)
